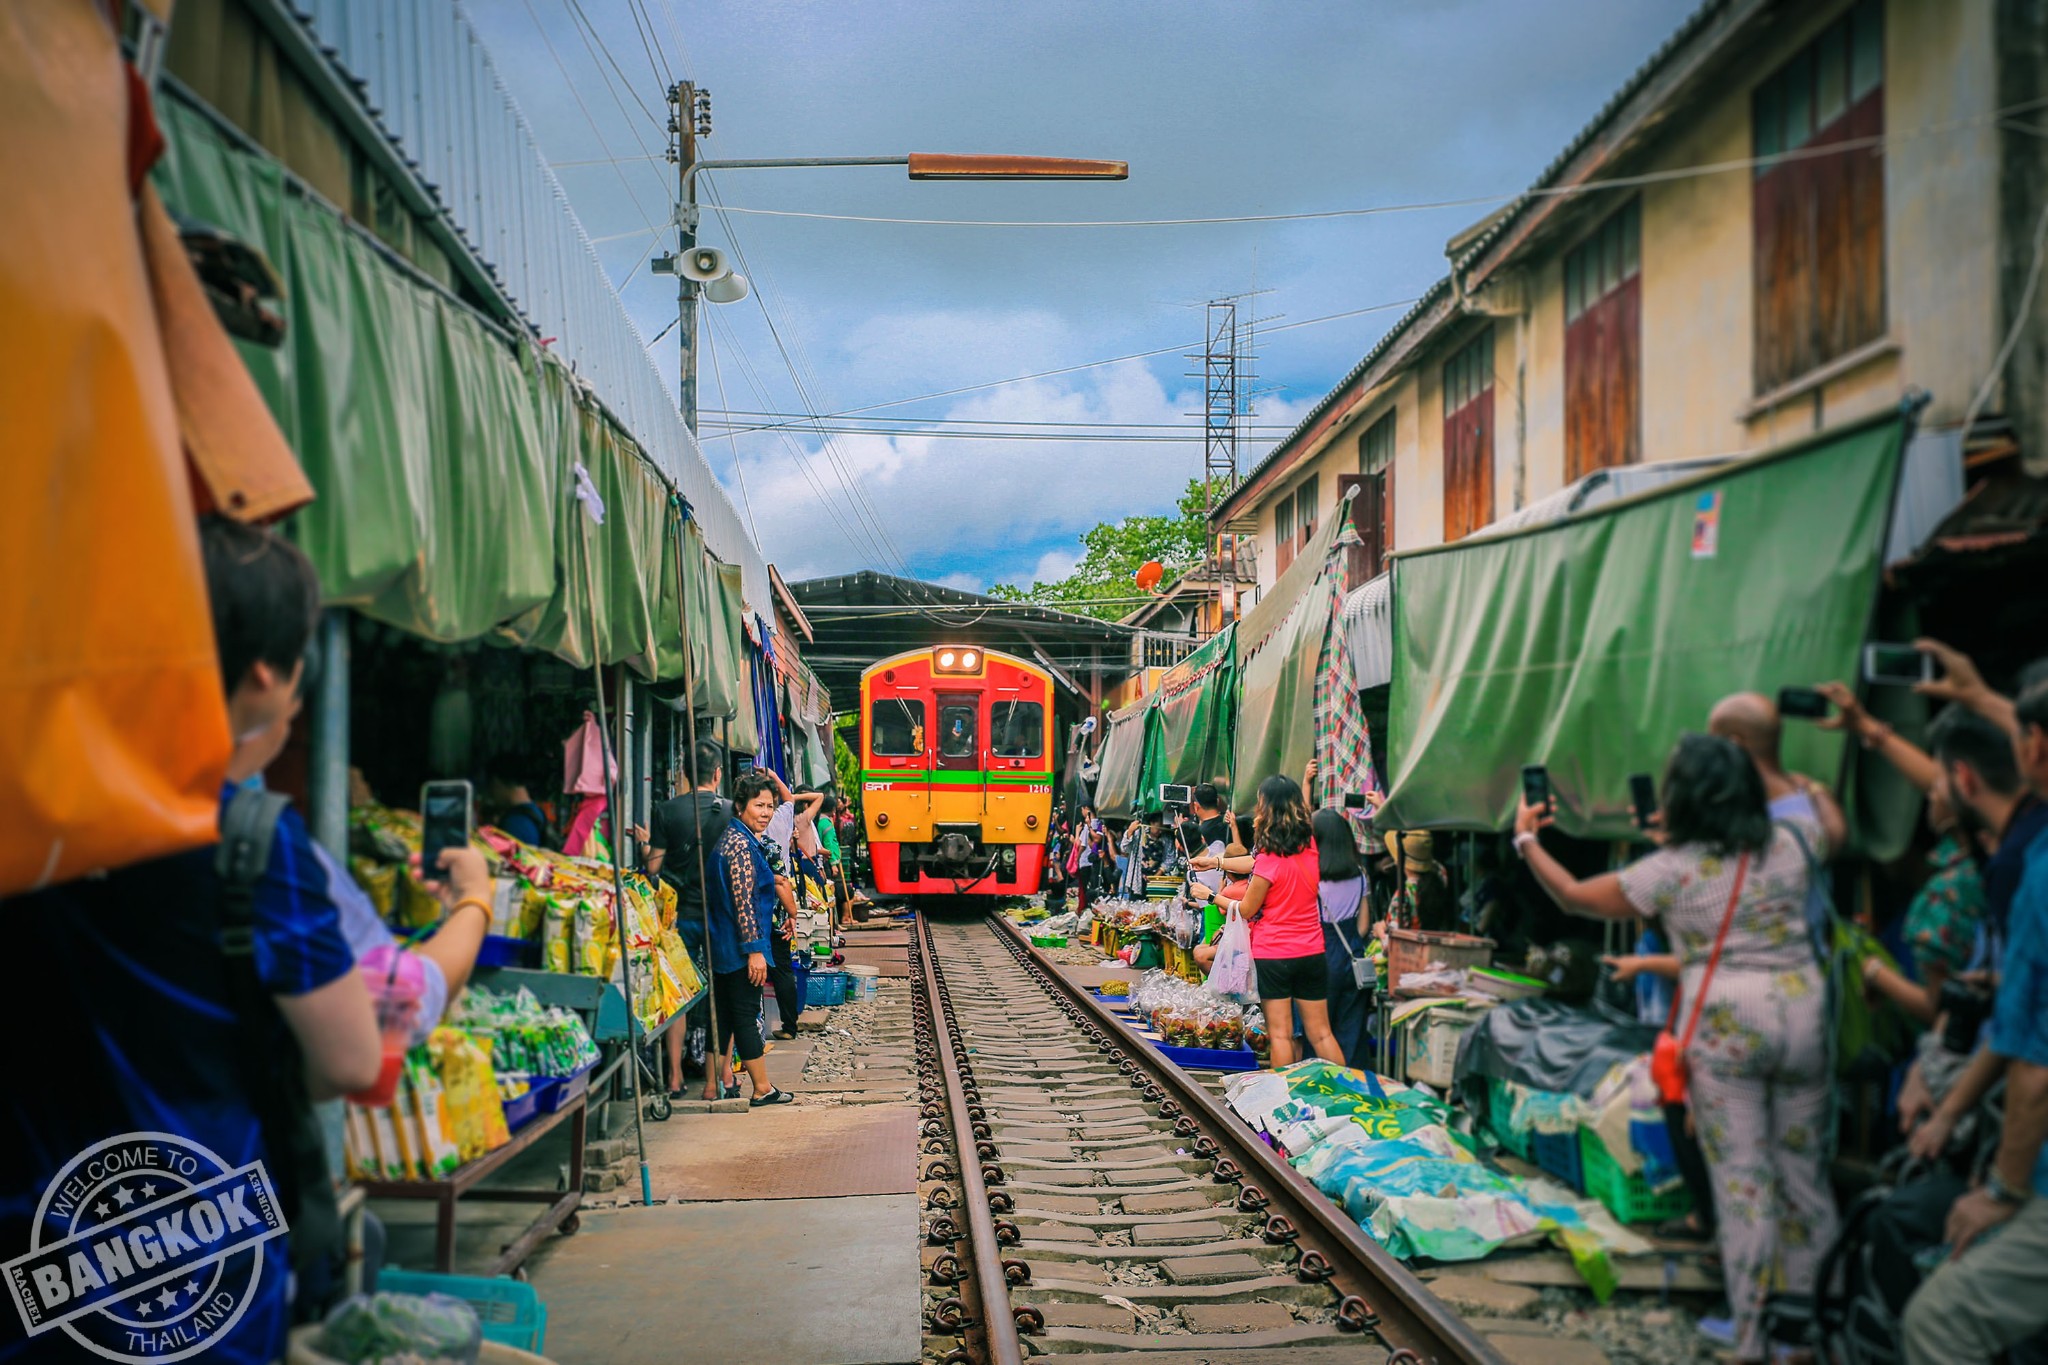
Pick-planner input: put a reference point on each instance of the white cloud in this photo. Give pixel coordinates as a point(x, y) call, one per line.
point(965, 582)
point(1054, 565)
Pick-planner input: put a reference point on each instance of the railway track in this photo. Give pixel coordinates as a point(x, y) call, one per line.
point(1084, 1196)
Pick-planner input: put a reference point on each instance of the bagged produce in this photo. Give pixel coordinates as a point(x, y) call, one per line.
point(432, 1329)
point(474, 1110)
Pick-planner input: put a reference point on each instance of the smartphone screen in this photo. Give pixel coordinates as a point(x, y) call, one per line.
point(1899, 665)
point(1642, 794)
point(1802, 702)
point(1354, 800)
point(1536, 784)
point(445, 820)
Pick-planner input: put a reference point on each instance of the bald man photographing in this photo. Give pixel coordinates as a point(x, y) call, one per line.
point(1750, 720)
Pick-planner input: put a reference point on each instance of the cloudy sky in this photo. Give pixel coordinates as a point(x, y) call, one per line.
point(1221, 107)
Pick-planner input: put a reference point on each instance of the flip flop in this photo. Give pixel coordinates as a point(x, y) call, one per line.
point(777, 1096)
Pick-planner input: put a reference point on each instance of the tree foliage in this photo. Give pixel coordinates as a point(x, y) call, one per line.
point(1104, 581)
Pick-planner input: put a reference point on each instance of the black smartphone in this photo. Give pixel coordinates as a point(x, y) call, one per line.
point(446, 819)
point(1354, 800)
point(1896, 665)
point(1536, 785)
point(1803, 702)
point(1642, 794)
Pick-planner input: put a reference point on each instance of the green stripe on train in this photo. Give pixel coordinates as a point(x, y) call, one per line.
point(957, 778)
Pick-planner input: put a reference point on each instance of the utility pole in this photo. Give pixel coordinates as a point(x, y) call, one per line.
point(689, 119)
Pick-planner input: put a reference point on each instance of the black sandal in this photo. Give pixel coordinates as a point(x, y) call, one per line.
point(776, 1096)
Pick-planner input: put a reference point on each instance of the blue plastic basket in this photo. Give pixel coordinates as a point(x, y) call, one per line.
point(510, 1312)
point(825, 989)
point(1210, 1058)
point(497, 950)
point(559, 1090)
point(1558, 1154)
point(520, 1112)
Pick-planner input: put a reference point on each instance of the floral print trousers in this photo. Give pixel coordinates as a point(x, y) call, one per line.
point(1761, 1105)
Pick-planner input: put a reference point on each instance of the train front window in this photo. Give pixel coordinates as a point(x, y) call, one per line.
point(957, 737)
point(897, 724)
point(1017, 729)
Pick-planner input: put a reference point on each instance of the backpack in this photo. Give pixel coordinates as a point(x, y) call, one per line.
point(275, 1070)
point(1868, 1038)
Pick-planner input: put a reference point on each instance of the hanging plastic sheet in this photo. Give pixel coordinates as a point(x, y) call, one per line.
point(1591, 644)
point(113, 729)
point(1549, 1045)
point(1123, 761)
point(1193, 723)
point(1277, 689)
point(415, 422)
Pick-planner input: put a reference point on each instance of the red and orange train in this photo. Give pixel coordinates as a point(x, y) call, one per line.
point(956, 772)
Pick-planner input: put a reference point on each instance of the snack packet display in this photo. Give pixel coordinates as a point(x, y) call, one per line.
point(476, 1113)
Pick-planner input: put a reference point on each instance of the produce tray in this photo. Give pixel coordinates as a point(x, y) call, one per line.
point(500, 951)
point(1628, 1197)
point(560, 1090)
point(523, 1110)
point(1209, 1058)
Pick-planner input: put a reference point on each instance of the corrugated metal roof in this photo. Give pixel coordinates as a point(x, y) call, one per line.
point(1505, 218)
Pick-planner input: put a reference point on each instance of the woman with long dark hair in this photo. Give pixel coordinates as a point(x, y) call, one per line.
point(1284, 914)
point(1729, 888)
point(1347, 918)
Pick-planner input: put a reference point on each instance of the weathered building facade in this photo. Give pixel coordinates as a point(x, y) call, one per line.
point(1788, 218)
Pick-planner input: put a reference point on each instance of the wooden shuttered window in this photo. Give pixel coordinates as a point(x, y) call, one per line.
point(1283, 534)
point(1819, 218)
point(1372, 505)
point(1468, 438)
point(1603, 308)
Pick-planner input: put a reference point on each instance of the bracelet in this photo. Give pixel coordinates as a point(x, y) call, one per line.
point(478, 902)
point(1522, 842)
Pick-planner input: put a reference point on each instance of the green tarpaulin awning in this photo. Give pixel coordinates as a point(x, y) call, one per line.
point(1589, 645)
point(1196, 707)
point(1123, 761)
point(1279, 645)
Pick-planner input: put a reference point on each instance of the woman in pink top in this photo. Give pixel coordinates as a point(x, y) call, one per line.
point(1287, 923)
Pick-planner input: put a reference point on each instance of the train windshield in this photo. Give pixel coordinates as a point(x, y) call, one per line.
point(1017, 729)
point(897, 725)
point(957, 738)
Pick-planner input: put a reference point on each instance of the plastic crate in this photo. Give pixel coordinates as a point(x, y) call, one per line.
point(499, 951)
point(1558, 1154)
point(1048, 940)
point(1209, 1058)
point(560, 1090)
point(1500, 1107)
point(825, 989)
point(510, 1312)
point(521, 1111)
point(1627, 1197)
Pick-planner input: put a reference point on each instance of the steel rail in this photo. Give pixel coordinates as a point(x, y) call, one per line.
point(1378, 1290)
point(998, 1320)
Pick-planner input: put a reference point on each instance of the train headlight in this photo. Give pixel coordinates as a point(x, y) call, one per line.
point(969, 659)
point(1031, 822)
point(957, 661)
point(946, 659)
point(881, 819)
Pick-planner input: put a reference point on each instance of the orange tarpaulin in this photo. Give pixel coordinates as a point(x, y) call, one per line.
point(113, 732)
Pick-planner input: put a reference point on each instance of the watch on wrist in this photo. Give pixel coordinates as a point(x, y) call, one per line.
point(1995, 1186)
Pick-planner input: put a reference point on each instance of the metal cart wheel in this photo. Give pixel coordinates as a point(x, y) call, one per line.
point(568, 1229)
point(659, 1108)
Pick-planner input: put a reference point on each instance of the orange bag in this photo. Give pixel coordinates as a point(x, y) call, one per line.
point(113, 730)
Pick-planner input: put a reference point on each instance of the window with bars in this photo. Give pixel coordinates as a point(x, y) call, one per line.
point(1819, 215)
point(1283, 533)
point(1372, 505)
point(1305, 513)
point(1468, 438)
point(1603, 345)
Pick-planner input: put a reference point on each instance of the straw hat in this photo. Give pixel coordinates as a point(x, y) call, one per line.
point(1416, 845)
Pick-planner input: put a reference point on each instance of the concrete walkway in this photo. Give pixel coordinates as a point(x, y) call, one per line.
point(786, 1235)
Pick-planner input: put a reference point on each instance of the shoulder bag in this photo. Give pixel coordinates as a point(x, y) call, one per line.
point(1668, 1067)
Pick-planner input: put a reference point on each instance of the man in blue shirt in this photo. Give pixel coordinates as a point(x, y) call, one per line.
point(1993, 1292)
point(123, 1011)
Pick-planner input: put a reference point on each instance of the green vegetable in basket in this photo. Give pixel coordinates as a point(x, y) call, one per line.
point(433, 1328)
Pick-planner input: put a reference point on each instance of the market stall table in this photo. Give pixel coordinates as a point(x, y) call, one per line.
point(465, 1180)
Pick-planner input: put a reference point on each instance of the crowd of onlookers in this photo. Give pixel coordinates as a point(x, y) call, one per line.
point(1765, 989)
